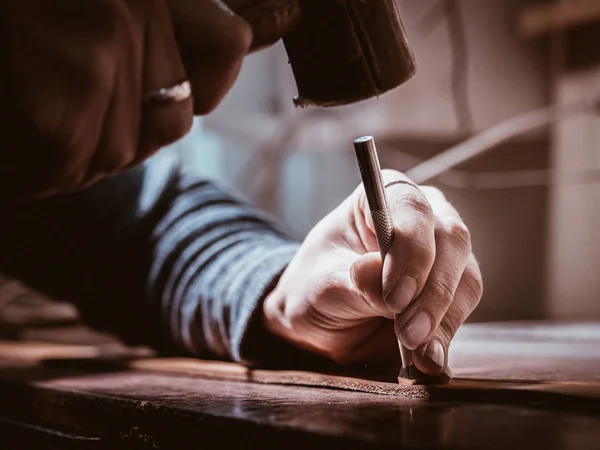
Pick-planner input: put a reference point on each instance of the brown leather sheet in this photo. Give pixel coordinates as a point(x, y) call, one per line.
point(460, 389)
point(554, 363)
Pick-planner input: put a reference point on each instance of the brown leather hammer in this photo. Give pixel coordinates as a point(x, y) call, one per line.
point(341, 51)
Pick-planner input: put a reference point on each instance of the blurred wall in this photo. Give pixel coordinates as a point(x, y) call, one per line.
point(574, 244)
point(508, 226)
point(505, 74)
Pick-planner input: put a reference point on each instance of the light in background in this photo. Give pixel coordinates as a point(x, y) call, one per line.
point(480, 62)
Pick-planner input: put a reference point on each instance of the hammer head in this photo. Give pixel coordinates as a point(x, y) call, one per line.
point(341, 51)
point(346, 51)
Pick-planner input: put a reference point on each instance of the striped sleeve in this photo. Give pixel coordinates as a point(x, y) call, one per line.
point(157, 256)
point(214, 260)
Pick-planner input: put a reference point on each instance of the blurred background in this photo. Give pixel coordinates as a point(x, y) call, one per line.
point(531, 199)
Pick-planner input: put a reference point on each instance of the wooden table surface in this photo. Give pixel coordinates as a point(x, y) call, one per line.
point(71, 408)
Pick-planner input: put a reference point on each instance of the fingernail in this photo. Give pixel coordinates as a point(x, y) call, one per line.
point(436, 353)
point(402, 294)
point(417, 330)
point(353, 275)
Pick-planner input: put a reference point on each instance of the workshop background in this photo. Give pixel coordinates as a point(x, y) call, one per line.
point(532, 201)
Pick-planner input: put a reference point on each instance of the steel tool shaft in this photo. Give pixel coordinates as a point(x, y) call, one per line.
point(370, 171)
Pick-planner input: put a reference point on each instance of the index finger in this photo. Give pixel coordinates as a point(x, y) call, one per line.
point(270, 20)
point(212, 41)
point(410, 259)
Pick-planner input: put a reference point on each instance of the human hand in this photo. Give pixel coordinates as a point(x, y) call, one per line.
point(73, 102)
point(336, 298)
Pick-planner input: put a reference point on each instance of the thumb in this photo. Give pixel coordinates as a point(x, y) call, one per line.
point(366, 273)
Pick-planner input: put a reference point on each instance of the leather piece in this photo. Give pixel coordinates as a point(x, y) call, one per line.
point(235, 372)
point(460, 389)
point(514, 363)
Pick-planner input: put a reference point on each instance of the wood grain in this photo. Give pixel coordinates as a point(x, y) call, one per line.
point(151, 410)
point(549, 399)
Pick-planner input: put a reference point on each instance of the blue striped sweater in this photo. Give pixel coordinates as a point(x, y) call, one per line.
point(157, 256)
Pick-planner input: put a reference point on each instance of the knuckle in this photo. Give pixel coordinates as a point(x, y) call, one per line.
point(441, 293)
point(430, 191)
point(452, 321)
point(457, 233)
point(240, 41)
point(417, 203)
point(416, 248)
point(230, 46)
point(390, 175)
point(435, 197)
point(424, 252)
point(89, 77)
point(98, 59)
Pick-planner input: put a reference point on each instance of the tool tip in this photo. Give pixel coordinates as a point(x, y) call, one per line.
point(363, 139)
point(412, 375)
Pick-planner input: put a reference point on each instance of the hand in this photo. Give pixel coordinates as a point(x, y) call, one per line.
point(336, 298)
point(72, 108)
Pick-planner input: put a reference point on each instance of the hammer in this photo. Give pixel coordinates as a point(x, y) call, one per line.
point(340, 51)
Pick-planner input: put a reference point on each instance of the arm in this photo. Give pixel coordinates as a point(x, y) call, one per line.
point(168, 260)
point(155, 255)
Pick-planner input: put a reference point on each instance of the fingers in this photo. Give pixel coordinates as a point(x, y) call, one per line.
point(118, 142)
point(149, 60)
point(270, 19)
point(432, 357)
point(213, 42)
point(63, 81)
point(86, 108)
point(453, 248)
point(410, 259)
point(162, 124)
point(431, 281)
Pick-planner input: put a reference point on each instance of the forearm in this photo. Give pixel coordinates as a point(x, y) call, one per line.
point(225, 259)
point(158, 257)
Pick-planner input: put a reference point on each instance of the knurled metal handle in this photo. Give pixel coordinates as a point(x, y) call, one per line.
point(384, 230)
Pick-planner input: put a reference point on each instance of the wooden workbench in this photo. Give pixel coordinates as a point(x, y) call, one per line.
point(145, 408)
